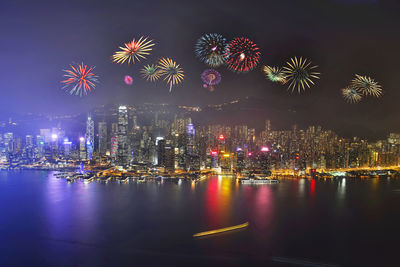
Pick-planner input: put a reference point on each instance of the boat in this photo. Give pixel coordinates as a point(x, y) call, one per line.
point(141, 180)
point(88, 181)
point(259, 181)
point(222, 230)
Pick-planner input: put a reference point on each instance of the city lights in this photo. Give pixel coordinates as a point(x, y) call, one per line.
point(179, 144)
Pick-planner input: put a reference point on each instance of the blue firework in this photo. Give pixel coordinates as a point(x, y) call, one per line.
point(210, 49)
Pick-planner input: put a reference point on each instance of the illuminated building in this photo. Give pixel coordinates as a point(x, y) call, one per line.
point(264, 159)
point(102, 131)
point(190, 139)
point(9, 142)
point(123, 149)
point(28, 140)
point(114, 147)
point(221, 143)
point(82, 148)
point(240, 160)
point(46, 133)
point(226, 161)
point(40, 143)
point(89, 136)
point(169, 158)
point(3, 154)
point(214, 159)
point(67, 147)
point(161, 152)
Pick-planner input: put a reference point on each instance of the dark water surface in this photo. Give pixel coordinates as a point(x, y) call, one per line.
point(44, 221)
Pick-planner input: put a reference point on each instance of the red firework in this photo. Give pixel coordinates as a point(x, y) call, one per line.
point(242, 55)
point(79, 80)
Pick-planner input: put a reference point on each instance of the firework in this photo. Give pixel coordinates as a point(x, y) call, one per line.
point(351, 95)
point(366, 86)
point(150, 73)
point(128, 80)
point(274, 74)
point(210, 78)
point(80, 80)
point(135, 50)
point(299, 73)
point(210, 49)
point(171, 71)
point(242, 55)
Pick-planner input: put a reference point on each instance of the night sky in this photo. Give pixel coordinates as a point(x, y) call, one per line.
point(41, 38)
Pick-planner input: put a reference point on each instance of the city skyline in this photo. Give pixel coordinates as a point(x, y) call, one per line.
point(126, 136)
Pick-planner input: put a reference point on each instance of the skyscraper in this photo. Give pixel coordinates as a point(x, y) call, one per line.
point(89, 136)
point(190, 139)
point(240, 159)
point(67, 147)
point(114, 147)
point(122, 152)
point(29, 140)
point(9, 142)
point(102, 138)
point(82, 148)
point(169, 158)
point(161, 152)
point(40, 143)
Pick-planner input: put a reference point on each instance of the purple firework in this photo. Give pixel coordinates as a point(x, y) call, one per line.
point(211, 77)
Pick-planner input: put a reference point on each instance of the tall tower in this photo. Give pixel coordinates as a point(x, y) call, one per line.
point(161, 152)
point(89, 136)
point(191, 139)
point(169, 157)
point(82, 148)
point(102, 138)
point(122, 152)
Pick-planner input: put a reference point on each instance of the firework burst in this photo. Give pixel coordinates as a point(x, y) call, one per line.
point(135, 50)
point(210, 78)
point(242, 55)
point(351, 95)
point(299, 73)
point(171, 71)
point(367, 86)
point(274, 74)
point(210, 49)
point(150, 73)
point(80, 80)
point(128, 80)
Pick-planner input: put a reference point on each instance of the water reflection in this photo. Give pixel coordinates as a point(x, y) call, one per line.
point(124, 218)
point(341, 190)
point(301, 187)
point(218, 201)
point(65, 204)
point(312, 187)
point(263, 207)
